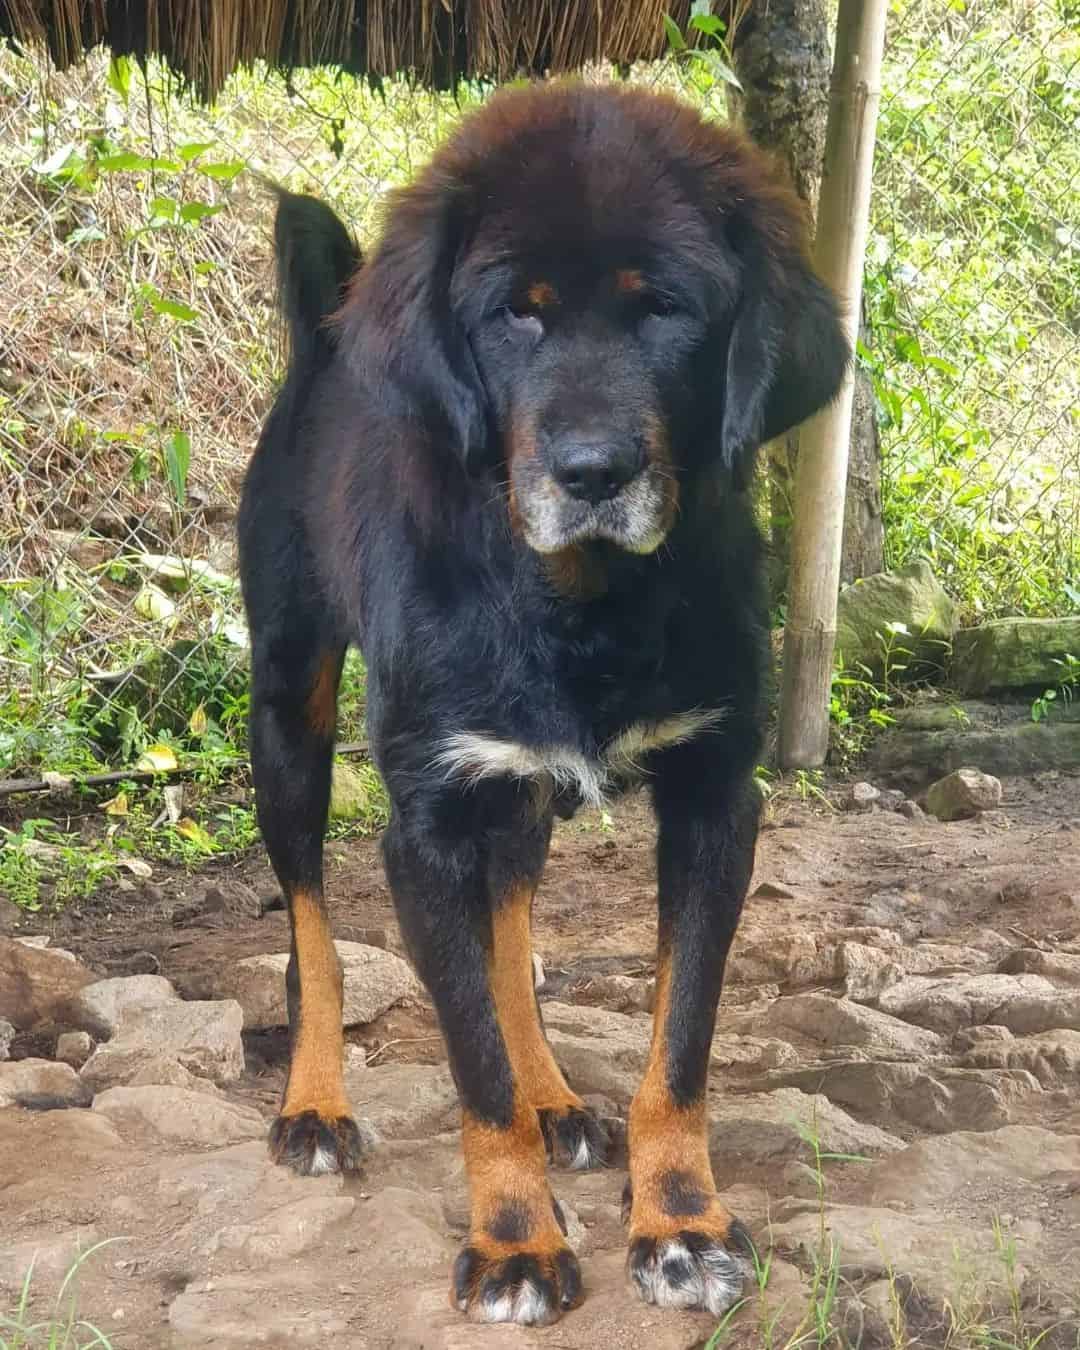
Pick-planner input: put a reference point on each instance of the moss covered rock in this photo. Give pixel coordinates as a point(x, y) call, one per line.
point(911, 596)
point(1013, 654)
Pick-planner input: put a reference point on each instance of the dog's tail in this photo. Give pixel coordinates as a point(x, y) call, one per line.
point(316, 257)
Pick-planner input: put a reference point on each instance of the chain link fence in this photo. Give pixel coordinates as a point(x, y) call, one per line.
point(973, 299)
point(139, 349)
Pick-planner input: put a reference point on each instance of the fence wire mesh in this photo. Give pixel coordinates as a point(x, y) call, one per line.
point(139, 348)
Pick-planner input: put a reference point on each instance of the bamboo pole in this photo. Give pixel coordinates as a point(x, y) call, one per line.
point(820, 477)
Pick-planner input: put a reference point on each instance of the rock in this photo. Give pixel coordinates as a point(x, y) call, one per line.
point(911, 810)
point(353, 793)
point(867, 970)
point(911, 596)
point(622, 993)
point(929, 742)
point(180, 1115)
point(284, 1233)
point(47, 1259)
point(768, 1128)
point(539, 978)
point(41, 1084)
point(930, 1171)
point(36, 983)
point(407, 1101)
point(862, 797)
point(769, 890)
point(1024, 1003)
point(7, 1035)
point(838, 1021)
point(792, 957)
point(1053, 1058)
point(203, 1037)
point(98, 1007)
point(239, 1181)
point(967, 1038)
point(160, 1070)
point(74, 1047)
point(800, 1179)
point(374, 981)
point(962, 794)
point(11, 916)
point(292, 1310)
point(139, 963)
point(941, 1099)
point(600, 1051)
point(1062, 967)
point(1013, 653)
point(235, 898)
point(404, 1228)
point(876, 1242)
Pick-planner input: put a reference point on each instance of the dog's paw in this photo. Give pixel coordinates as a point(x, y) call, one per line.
point(313, 1145)
point(532, 1288)
point(691, 1268)
point(574, 1138)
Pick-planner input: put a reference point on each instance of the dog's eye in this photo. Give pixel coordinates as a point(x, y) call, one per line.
point(523, 321)
point(655, 305)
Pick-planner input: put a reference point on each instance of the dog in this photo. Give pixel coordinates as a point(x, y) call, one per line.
point(512, 460)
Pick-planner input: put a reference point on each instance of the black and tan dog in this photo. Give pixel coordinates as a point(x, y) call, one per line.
point(512, 464)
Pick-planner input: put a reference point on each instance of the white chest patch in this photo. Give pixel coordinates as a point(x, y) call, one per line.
point(474, 756)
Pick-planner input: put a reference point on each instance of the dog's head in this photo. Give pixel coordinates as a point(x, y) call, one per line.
point(593, 292)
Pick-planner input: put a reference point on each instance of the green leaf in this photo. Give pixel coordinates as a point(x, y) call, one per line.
point(177, 461)
point(127, 161)
point(86, 234)
point(719, 69)
point(708, 24)
point(164, 211)
point(204, 268)
point(152, 603)
point(193, 149)
point(119, 77)
point(196, 211)
point(223, 170)
point(175, 309)
point(676, 41)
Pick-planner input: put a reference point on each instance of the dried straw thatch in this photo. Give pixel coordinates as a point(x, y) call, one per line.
point(435, 42)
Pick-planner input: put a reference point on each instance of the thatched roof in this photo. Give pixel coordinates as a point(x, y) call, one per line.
point(436, 42)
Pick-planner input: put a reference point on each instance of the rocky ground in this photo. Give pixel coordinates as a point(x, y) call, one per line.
point(905, 993)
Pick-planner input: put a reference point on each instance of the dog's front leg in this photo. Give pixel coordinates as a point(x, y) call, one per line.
point(686, 1250)
point(464, 937)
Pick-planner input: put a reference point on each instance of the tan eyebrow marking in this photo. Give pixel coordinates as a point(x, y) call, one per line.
point(629, 280)
point(542, 294)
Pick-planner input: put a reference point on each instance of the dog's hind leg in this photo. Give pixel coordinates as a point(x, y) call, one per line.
point(293, 715)
point(296, 658)
point(440, 855)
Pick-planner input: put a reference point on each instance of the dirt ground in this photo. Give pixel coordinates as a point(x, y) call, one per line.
point(217, 1247)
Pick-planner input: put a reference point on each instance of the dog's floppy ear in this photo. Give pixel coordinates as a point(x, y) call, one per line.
point(409, 332)
point(786, 352)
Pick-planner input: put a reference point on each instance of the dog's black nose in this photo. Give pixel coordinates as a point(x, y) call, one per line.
point(594, 470)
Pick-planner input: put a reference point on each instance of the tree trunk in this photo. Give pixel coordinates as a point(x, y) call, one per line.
point(783, 61)
point(863, 549)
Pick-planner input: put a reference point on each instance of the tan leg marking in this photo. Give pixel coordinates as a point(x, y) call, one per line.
point(673, 1186)
point(321, 706)
point(316, 1081)
point(538, 1077)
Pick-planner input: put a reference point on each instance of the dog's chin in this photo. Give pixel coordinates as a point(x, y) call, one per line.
point(637, 521)
point(549, 540)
